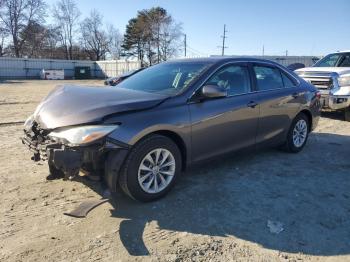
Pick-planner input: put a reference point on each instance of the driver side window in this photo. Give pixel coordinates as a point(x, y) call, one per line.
point(235, 79)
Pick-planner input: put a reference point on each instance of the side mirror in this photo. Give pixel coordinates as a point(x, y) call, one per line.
point(213, 91)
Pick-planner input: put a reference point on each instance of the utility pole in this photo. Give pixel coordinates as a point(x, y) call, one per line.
point(263, 51)
point(185, 45)
point(286, 52)
point(223, 41)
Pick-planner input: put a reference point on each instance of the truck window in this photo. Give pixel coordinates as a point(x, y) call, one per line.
point(328, 61)
point(344, 61)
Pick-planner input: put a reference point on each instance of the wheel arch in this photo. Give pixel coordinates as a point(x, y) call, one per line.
point(178, 140)
point(308, 114)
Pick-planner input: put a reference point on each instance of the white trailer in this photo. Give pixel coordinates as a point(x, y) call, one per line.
point(52, 74)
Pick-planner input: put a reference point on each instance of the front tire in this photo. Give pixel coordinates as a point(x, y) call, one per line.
point(151, 168)
point(297, 134)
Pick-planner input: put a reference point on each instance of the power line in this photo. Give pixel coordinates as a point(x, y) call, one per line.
point(196, 52)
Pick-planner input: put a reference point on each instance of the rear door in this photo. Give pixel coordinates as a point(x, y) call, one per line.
point(229, 123)
point(279, 100)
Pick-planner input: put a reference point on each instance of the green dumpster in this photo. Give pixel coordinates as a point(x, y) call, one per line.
point(82, 72)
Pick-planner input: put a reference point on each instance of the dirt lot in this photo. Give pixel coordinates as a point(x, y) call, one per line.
point(263, 206)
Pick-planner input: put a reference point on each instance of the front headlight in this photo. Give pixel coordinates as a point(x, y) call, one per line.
point(344, 80)
point(82, 134)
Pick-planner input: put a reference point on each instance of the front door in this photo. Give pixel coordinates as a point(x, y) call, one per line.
point(225, 124)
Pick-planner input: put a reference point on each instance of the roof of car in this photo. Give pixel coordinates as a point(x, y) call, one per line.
point(222, 59)
point(339, 52)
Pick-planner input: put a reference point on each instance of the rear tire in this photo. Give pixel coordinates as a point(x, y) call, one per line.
point(151, 168)
point(297, 134)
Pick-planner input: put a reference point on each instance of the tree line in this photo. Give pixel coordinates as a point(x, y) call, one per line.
point(152, 36)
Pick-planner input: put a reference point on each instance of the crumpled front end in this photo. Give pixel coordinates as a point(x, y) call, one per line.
point(65, 156)
point(68, 160)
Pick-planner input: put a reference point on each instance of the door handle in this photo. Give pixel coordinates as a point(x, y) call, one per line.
point(295, 95)
point(252, 104)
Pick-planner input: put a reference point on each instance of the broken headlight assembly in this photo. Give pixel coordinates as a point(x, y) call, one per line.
point(81, 135)
point(28, 123)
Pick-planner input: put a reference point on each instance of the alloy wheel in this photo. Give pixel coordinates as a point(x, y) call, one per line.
point(156, 170)
point(300, 133)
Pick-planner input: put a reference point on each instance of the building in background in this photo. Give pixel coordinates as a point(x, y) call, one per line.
point(286, 60)
point(23, 68)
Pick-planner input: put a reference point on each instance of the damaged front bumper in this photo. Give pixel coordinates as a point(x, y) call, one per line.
point(70, 159)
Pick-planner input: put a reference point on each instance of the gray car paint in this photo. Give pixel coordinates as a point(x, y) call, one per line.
point(203, 128)
point(74, 105)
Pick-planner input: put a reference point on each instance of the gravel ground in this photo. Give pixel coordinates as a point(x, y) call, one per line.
point(261, 206)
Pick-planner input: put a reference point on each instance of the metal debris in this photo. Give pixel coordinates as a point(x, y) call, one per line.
point(85, 207)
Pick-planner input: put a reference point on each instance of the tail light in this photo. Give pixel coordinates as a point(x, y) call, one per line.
point(318, 95)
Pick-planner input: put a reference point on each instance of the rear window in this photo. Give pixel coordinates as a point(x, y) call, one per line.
point(287, 81)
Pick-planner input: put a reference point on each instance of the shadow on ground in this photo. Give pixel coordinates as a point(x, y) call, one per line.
point(336, 115)
point(307, 192)
point(4, 81)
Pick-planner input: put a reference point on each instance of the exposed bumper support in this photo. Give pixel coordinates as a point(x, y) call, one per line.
point(71, 159)
point(67, 160)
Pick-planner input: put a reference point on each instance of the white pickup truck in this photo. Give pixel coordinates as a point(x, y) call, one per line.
point(331, 75)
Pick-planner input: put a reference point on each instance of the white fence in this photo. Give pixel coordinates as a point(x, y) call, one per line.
point(22, 68)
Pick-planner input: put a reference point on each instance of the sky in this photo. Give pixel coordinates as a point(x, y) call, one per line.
point(303, 27)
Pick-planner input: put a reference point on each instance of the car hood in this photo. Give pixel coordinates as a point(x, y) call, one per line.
point(74, 105)
point(339, 70)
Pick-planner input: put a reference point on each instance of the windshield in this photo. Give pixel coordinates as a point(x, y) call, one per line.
point(166, 78)
point(334, 60)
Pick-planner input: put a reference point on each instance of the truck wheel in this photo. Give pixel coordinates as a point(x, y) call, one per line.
point(151, 168)
point(347, 114)
point(298, 134)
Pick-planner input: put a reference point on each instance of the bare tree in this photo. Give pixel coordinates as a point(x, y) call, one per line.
point(170, 39)
point(115, 42)
point(41, 41)
point(52, 40)
point(3, 37)
point(35, 36)
point(94, 38)
point(16, 15)
point(66, 15)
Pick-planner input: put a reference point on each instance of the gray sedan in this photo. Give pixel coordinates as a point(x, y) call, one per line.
point(143, 133)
